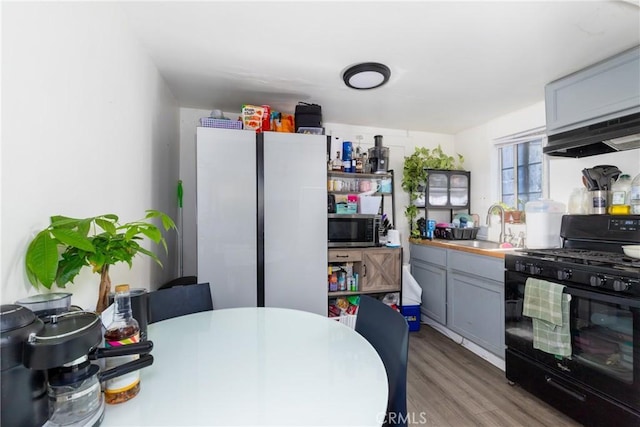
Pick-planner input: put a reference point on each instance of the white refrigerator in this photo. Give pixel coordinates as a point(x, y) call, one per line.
point(261, 218)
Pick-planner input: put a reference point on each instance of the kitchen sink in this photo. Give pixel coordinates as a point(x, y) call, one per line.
point(480, 244)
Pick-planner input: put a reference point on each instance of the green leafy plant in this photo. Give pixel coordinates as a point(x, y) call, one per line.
point(60, 251)
point(414, 176)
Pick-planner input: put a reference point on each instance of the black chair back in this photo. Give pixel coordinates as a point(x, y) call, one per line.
point(388, 332)
point(178, 301)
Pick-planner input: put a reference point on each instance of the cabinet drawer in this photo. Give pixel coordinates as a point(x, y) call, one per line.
point(345, 255)
point(429, 254)
point(477, 265)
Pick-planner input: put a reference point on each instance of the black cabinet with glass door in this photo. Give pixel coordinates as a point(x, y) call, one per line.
point(449, 190)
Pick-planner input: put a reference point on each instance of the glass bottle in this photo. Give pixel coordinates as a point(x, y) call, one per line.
point(634, 195)
point(337, 162)
point(123, 330)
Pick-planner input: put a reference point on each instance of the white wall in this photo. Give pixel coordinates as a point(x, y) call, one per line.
point(481, 159)
point(89, 127)
point(401, 143)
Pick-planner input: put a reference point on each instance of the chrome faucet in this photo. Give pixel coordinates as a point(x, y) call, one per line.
point(492, 207)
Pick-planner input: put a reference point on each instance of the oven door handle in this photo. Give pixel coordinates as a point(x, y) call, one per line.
point(627, 301)
point(575, 395)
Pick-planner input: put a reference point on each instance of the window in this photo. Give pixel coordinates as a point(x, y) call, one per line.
point(521, 168)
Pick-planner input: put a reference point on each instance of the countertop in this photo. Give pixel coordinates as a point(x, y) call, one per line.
point(452, 244)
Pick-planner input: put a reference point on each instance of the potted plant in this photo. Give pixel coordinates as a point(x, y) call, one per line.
point(414, 176)
point(511, 214)
point(58, 253)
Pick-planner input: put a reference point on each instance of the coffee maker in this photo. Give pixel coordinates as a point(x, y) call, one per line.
point(378, 156)
point(47, 372)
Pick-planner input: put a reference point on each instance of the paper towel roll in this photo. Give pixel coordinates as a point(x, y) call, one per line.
point(393, 238)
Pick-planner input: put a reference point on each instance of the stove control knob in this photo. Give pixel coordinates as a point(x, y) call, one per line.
point(521, 266)
point(564, 274)
point(597, 281)
point(535, 269)
point(620, 285)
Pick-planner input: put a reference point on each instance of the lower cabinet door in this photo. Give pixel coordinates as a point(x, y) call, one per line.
point(433, 281)
point(476, 310)
point(381, 270)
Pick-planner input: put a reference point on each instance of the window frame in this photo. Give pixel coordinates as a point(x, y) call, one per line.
point(536, 134)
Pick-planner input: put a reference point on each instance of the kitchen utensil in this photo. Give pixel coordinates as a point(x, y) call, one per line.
point(64, 347)
point(608, 174)
point(47, 304)
point(632, 251)
point(600, 177)
point(24, 391)
point(588, 181)
point(598, 199)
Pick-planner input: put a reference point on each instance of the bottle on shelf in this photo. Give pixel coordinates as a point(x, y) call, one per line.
point(634, 195)
point(337, 163)
point(123, 330)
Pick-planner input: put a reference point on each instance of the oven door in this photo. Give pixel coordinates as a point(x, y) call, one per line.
point(605, 339)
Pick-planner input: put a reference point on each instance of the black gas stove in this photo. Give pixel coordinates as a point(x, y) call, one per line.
point(591, 255)
point(598, 383)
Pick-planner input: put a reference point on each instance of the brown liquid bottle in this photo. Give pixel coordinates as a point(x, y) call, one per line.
point(122, 331)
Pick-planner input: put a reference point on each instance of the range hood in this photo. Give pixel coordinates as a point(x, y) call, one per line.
point(618, 134)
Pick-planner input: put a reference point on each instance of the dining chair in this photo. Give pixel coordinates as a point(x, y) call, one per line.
point(179, 300)
point(388, 332)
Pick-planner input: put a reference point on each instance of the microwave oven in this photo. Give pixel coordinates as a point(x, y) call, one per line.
point(353, 230)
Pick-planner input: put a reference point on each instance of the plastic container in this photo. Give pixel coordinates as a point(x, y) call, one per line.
point(634, 195)
point(544, 218)
point(412, 314)
point(370, 204)
point(47, 304)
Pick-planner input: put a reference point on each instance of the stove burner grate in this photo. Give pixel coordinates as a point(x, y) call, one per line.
point(587, 257)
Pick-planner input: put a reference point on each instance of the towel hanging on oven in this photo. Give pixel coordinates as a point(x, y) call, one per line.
point(548, 308)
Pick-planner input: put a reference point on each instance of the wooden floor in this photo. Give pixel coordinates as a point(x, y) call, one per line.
point(450, 386)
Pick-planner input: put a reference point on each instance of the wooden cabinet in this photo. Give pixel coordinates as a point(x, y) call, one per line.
point(606, 90)
point(379, 269)
point(464, 292)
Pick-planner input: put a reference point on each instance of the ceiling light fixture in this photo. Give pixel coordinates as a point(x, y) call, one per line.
point(368, 75)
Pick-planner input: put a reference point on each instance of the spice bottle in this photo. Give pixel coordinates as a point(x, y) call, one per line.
point(123, 330)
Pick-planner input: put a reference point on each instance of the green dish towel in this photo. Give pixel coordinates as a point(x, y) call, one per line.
point(548, 307)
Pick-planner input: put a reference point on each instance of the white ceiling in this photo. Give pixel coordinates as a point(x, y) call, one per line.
point(454, 64)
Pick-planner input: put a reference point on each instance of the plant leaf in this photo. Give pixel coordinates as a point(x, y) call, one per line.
point(152, 233)
point(68, 270)
point(42, 258)
point(73, 239)
point(64, 221)
point(106, 225)
point(151, 255)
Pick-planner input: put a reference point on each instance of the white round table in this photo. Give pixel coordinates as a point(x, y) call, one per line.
point(256, 366)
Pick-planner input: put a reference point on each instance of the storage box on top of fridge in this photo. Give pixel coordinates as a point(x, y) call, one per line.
point(543, 221)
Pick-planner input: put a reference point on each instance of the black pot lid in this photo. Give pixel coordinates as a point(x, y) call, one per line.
point(14, 316)
point(63, 339)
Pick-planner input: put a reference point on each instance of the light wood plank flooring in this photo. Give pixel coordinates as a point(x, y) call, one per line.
point(450, 386)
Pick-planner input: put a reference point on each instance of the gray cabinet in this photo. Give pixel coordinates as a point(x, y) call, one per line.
point(603, 91)
point(475, 299)
point(464, 292)
point(429, 268)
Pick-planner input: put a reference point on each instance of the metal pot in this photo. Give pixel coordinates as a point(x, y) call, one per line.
point(24, 391)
